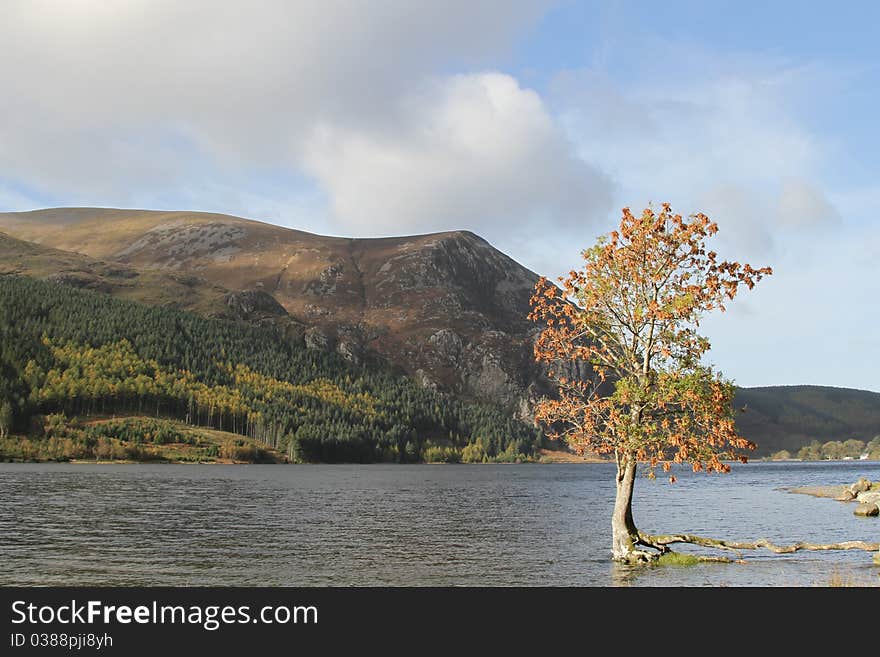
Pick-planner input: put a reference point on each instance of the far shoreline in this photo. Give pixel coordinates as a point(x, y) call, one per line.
point(562, 459)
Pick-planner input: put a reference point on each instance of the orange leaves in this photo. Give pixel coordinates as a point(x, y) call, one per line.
point(619, 337)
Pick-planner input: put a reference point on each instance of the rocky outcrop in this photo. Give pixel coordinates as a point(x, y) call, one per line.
point(446, 346)
point(254, 304)
point(864, 492)
point(350, 343)
point(317, 338)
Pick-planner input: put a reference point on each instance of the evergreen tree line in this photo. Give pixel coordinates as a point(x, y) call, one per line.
point(81, 352)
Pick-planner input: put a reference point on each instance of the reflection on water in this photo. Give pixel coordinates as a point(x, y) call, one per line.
point(406, 525)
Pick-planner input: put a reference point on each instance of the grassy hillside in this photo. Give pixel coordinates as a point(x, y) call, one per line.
point(790, 417)
point(399, 283)
point(132, 438)
point(153, 287)
point(82, 353)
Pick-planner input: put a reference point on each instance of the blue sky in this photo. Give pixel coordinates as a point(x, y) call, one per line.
point(841, 38)
point(529, 122)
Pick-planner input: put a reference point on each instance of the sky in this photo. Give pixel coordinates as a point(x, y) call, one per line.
point(530, 122)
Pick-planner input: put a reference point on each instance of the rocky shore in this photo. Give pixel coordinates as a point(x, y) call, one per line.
point(867, 494)
point(864, 493)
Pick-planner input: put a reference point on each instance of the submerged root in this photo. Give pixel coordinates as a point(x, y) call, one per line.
point(665, 555)
point(661, 543)
point(636, 557)
point(670, 557)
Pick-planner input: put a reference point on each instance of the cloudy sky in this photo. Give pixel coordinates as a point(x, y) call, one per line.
point(529, 122)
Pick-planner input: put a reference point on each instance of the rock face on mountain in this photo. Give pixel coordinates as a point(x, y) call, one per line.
point(254, 304)
point(447, 307)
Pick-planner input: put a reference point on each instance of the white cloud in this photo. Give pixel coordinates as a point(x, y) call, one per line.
point(102, 100)
point(159, 103)
point(802, 204)
point(475, 151)
point(743, 214)
point(764, 215)
point(726, 142)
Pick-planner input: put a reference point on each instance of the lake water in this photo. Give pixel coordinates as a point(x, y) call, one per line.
point(398, 525)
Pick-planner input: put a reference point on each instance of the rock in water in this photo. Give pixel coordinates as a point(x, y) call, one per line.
point(860, 486)
point(846, 496)
point(866, 510)
point(869, 497)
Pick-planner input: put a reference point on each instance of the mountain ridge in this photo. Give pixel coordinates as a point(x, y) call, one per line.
point(447, 307)
point(789, 417)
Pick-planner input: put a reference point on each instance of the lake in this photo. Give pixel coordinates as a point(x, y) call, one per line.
point(402, 525)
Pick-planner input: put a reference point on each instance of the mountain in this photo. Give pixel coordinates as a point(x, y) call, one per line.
point(446, 307)
point(789, 417)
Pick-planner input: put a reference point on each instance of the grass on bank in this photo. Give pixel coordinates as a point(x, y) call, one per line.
point(131, 439)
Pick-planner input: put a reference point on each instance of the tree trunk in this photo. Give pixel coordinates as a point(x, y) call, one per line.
point(623, 530)
point(625, 537)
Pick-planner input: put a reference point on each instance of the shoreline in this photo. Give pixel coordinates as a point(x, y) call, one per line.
point(427, 463)
point(770, 460)
point(547, 457)
point(828, 492)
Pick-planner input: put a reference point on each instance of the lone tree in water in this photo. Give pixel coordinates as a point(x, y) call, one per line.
point(631, 315)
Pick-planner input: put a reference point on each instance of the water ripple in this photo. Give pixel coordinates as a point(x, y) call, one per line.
point(403, 525)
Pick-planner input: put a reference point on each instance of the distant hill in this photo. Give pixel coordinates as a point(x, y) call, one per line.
point(789, 417)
